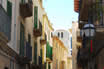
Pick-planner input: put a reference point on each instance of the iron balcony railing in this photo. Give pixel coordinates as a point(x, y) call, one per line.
point(26, 9)
point(43, 40)
point(94, 13)
point(38, 30)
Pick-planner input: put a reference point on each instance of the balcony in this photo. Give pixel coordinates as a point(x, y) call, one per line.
point(28, 55)
point(98, 43)
point(37, 31)
point(84, 7)
point(26, 10)
point(5, 48)
point(82, 23)
point(94, 11)
point(82, 56)
point(43, 40)
point(34, 66)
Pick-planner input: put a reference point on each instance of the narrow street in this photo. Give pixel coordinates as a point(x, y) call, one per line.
point(51, 34)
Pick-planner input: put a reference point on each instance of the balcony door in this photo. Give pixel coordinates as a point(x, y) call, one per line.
point(35, 53)
point(21, 39)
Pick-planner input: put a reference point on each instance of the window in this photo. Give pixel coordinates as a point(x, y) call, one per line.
point(58, 34)
point(35, 53)
point(61, 34)
point(22, 38)
point(11, 64)
point(71, 52)
point(71, 42)
point(9, 9)
point(51, 34)
point(35, 17)
point(29, 38)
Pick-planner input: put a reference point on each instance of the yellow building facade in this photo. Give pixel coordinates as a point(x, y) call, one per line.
point(60, 53)
point(47, 31)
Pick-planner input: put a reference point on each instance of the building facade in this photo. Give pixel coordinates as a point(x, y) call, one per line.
point(14, 53)
point(74, 44)
point(94, 16)
point(65, 37)
point(60, 54)
point(48, 46)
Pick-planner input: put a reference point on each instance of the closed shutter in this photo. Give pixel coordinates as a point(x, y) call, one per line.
point(9, 9)
point(35, 53)
point(48, 66)
point(35, 17)
point(22, 40)
point(48, 51)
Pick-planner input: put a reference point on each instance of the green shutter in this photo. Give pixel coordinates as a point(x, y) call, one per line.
point(48, 66)
point(22, 40)
point(48, 51)
point(35, 53)
point(9, 9)
point(35, 17)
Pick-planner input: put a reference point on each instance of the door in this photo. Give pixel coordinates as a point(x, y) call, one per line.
point(35, 53)
point(21, 40)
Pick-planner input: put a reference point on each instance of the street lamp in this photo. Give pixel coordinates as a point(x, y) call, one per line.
point(88, 32)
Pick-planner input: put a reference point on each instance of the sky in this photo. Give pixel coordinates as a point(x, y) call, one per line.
point(60, 13)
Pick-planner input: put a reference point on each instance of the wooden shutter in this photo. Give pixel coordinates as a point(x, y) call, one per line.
point(9, 9)
point(35, 53)
point(35, 17)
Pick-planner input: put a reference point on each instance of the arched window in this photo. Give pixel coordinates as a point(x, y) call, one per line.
point(61, 34)
point(58, 34)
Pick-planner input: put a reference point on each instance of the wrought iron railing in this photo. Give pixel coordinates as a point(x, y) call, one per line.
point(96, 11)
point(26, 9)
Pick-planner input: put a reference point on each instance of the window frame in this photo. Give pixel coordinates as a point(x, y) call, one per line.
point(58, 34)
point(61, 34)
